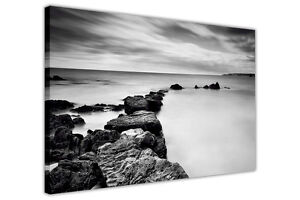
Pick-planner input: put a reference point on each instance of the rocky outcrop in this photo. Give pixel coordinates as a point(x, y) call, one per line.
point(55, 121)
point(62, 145)
point(97, 138)
point(74, 175)
point(78, 121)
point(130, 160)
point(151, 102)
point(57, 105)
point(176, 87)
point(145, 120)
point(98, 107)
point(196, 87)
point(213, 86)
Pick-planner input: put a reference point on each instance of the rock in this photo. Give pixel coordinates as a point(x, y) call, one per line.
point(162, 91)
point(63, 145)
point(57, 78)
point(98, 107)
point(89, 131)
point(52, 122)
point(206, 87)
point(57, 105)
point(196, 87)
point(135, 103)
point(74, 175)
point(126, 162)
point(176, 87)
point(215, 86)
point(227, 88)
point(97, 138)
point(78, 121)
point(87, 156)
point(140, 119)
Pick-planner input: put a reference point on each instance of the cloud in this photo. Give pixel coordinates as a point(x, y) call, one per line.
point(122, 42)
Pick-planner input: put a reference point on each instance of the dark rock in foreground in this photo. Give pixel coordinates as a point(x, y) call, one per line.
point(78, 121)
point(98, 107)
point(97, 138)
point(176, 87)
point(128, 161)
point(145, 120)
point(63, 145)
point(57, 105)
point(74, 175)
point(55, 121)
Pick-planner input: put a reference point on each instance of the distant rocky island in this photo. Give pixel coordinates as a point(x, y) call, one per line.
point(240, 74)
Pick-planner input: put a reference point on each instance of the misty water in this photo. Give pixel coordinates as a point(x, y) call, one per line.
point(207, 132)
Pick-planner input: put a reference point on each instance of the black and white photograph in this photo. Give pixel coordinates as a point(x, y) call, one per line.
point(133, 99)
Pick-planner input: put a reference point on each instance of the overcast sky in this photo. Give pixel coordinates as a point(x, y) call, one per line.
point(122, 42)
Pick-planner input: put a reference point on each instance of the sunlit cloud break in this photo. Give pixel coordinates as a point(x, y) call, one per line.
point(123, 42)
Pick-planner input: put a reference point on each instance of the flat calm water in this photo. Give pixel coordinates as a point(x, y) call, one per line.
point(208, 132)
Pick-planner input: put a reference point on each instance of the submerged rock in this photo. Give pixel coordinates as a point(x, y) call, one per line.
point(97, 138)
point(74, 175)
point(127, 161)
point(176, 87)
point(98, 107)
point(145, 120)
point(57, 105)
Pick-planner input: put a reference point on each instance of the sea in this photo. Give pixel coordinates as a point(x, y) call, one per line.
point(208, 132)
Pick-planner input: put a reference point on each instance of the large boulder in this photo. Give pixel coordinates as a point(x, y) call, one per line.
point(62, 145)
point(57, 105)
point(176, 87)
point(97, 138)
point(135, 103)
point(55, 121)
point(127, 161)
point(145, 120)
point(78, 121)
point(74, 175)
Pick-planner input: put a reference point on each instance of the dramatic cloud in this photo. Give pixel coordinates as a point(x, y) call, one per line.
point(122, 42)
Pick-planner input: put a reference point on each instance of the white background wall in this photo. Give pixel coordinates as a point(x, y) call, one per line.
point(278, 54)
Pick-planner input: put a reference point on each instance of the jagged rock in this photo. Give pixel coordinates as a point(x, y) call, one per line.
point(92, 141)
point(78, 121)
point(63, 145)
point(74, 176)
point(196, 87)
point(140, 119)
point(176, 87)
point(57, 105)
point(125, 162)
point(98, 107)
point(55, 121)
point(87, 156)
point(215, 86)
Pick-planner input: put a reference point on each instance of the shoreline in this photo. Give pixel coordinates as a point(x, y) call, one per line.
point(136, 137)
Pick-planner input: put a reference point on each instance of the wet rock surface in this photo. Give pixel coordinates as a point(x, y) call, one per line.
point(128, 161)
point(98, 108)
point(74, 175)
point(57, 105)
point(145, 120)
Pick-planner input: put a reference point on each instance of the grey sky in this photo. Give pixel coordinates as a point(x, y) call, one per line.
point(123, 42)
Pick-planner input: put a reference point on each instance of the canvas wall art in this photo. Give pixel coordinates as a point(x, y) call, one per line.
point(133, 99)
